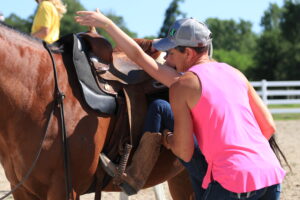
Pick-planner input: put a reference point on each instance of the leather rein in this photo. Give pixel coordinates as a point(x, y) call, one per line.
point(57, 103)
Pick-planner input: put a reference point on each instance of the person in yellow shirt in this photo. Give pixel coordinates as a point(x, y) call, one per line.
point(46, 23)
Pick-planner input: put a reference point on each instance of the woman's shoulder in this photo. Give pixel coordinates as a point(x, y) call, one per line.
point(47, 4)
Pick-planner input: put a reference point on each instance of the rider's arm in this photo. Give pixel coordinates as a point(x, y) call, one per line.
point(261, 113)
point(41, 33)
point(260, 110)
point(163, 74)
point(182, 93)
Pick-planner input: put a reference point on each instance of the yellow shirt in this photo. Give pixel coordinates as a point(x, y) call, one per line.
point(47, 16)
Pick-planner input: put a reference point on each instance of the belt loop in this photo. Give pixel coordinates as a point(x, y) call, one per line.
point(248, 194)
point(239, 195)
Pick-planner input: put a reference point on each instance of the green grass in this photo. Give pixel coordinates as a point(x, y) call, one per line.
point(286, 116)
point(284, 106)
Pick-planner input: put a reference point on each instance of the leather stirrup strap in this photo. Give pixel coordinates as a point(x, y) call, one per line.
point(128, 147)
point(128, 104)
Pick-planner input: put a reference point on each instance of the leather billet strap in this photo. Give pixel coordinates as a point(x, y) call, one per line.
point(59, 96)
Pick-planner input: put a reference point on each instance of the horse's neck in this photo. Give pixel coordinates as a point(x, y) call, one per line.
point(23, 72)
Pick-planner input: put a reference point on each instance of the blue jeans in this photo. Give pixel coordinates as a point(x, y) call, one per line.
point(196, 168)
point(216, 192)
point(160, 117)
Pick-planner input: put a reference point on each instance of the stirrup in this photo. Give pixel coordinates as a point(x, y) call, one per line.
point(128, 189)
point(112, 170)
point(122, 165)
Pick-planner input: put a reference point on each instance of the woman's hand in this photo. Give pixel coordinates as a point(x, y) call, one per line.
point(166, 136)
point(92, 18)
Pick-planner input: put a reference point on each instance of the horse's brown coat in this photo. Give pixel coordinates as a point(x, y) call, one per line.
point(26, 97)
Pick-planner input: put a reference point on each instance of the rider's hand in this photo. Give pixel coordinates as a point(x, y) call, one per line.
point(166, 137)
point(92, 18)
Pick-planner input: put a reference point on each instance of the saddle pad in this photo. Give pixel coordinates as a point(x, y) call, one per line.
point(94, 97)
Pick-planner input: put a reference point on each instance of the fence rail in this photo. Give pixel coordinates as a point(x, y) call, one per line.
point(279, 93)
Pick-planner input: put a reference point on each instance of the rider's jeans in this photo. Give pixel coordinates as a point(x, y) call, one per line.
point(216, 192)
point(160, 117)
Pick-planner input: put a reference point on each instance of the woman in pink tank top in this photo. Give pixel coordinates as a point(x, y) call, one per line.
point(217, 104)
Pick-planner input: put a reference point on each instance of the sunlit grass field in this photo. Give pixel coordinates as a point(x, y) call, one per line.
point(286, 116)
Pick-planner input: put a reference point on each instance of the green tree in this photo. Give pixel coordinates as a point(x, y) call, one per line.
point(267, 56)
point(290, 24)
point(241, 61)
point(230, 35)
point(119, 21)
point(271, 18)
point(290, 29)
point(269, 48)
point(68, 25)
point(18, 23)
point(171, 15)
point(278, 52)
point(234, 42)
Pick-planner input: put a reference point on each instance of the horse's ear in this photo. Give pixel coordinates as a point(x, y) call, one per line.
point(92, 29)
point(146, 45)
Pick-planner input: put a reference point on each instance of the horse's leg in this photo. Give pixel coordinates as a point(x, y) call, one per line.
point(57, 188)
point(59, 193)
point(180, 186)
point(22, 194)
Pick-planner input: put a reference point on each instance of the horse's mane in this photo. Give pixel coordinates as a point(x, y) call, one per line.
point(23, 34)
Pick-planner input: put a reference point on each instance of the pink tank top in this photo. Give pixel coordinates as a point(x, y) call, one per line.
point(238, 155)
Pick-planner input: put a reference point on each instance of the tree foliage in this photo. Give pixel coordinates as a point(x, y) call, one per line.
point(67, 24)
point(274, 54)
point(19, 23)
point(171, 15)
point(241, 61)
point(271, 18)
point(267, 56)
point(231, 35)
point(234, 42)
point(278, 48)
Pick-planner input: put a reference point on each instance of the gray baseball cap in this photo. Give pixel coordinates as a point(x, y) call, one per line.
point(185, 32)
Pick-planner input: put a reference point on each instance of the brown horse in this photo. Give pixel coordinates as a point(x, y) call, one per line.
point(26, 101)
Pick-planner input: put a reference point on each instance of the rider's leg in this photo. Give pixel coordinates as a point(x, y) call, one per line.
point(196, 168)
point(148, 150)
point(143, 161)
point(159, 118)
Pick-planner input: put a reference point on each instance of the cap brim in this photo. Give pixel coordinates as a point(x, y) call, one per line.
point(163, 44)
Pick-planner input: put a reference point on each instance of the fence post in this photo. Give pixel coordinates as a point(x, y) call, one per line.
point(159, 192)
point(264, 90)
point(123, 196)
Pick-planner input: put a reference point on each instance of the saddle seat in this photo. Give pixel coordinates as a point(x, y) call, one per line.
point(113, 64)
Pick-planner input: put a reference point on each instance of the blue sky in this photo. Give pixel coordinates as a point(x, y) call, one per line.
point(146, 17)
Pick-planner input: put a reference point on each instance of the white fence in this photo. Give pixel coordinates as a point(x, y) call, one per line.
point(279, 93)
point(158, 191)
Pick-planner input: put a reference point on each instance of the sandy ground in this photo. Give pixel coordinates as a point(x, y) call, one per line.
point(288, 137)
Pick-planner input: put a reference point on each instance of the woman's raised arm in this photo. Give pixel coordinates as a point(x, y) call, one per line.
point(161, 73)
